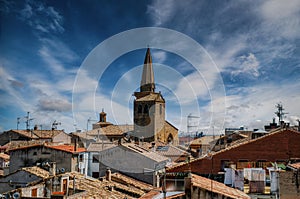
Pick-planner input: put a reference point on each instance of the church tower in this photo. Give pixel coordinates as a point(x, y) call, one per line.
point(149, 106)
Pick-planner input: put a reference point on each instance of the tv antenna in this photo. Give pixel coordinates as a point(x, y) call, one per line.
point(18, 122)
point(280, 112)
point(28, 119)
point(191, 125)
point(55, 124)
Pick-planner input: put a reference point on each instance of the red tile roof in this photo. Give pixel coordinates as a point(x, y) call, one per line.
point(271, 133)
point(217, 187)
point(295, 165)
point(4, 156)
point(68, 148)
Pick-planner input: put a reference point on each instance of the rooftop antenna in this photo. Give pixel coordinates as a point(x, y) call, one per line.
point(280, 112)
point(18, 122)
point(55, 124)
point(190, 125)
point(28, 119)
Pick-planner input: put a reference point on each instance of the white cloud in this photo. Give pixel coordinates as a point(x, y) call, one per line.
point(247, 65)
point(42, 18)
point(161, 12)
point(159, 56)
point(282, 16)
point(54, 104)
point(257, 106)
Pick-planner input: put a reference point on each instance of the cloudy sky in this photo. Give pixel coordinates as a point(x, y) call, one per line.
point(227, 62)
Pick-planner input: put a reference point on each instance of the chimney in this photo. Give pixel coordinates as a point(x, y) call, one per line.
point(52, 170)
point(102, 116)
point(75, 144)
point(35, 127)
point(153, 146)
point(108, 174)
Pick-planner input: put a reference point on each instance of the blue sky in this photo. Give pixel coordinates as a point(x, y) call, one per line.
point(249, 61)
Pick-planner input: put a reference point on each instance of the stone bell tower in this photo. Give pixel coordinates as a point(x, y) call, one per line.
point(149, 106)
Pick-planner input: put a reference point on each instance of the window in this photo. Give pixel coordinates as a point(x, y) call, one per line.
point(95, 174)
point(146, 109)
point(244, 164)
point(140, 108)
point(263, 164)
point(95, 159)
point(65, 186)
point(81, 158)
point(160, 109)
point(34, 192)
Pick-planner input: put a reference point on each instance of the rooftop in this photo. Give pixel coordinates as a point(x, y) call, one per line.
point(151, 97)
point(238, 144)
point(4, 156)
point(37, 171)
point(100, 146)
point(66, 148)
point(217, 187)
point(110, 130)
point(35, 134)
point(145, 152)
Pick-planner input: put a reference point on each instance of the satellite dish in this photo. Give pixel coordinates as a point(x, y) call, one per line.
point(62, 170)
point(16, 195)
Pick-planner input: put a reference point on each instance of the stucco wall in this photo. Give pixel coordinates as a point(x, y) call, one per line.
point(31, 156)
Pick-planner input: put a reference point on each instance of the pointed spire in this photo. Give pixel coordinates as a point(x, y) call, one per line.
point(147, 82)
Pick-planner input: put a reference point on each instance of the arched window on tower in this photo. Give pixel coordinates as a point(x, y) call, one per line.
point(160, 109)
point(170, 139)
point(140, 108)
point(146, 109)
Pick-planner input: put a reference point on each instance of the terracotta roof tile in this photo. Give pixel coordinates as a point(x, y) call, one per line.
point(295, 165)
point(100, 146)
point(145, 152)
point(25, 133)
point(4, 156)
point(123, 179)
point(217, 187)
point(151, 97)
point(111, 130)
point(95, 188)
point(67, 148)
point(35, 134)
point(47, 133)
point(17, 144)
point(37, 171)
